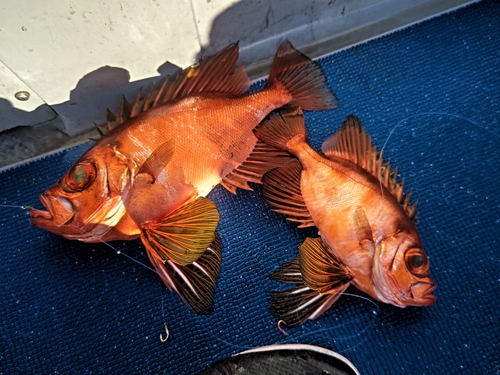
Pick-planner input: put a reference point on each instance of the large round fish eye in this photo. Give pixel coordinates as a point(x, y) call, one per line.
point(80, 176)
point(416, 261)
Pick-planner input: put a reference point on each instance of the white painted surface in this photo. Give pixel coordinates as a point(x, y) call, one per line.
point(14, 112)
point(79, 57)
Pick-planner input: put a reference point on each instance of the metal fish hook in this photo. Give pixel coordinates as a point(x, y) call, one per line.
point(164, 339)
point(281, 329)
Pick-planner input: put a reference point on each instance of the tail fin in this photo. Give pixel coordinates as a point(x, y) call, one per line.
point(279, 128)
point(302, 77)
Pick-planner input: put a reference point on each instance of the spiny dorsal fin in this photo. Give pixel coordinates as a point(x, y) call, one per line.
point(183, 235)
point(283, 192)
point(352, 143)
point(195, 283)
point(213, 74)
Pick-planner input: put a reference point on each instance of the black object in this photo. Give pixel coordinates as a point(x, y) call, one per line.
point(284, 360)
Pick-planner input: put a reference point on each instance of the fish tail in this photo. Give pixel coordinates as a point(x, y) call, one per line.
point(303, 78)
point(280, 128)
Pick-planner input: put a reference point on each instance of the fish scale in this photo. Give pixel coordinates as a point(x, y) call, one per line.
point(149, 173)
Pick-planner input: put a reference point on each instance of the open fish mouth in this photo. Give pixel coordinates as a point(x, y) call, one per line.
point(422, 294)
point(59, 211)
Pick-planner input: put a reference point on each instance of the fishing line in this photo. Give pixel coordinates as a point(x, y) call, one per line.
point(329, 329)
point(119, 252)
point(416, 116)
point(13, 205)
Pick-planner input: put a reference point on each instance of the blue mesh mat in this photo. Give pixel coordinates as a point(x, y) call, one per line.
point(431, 95)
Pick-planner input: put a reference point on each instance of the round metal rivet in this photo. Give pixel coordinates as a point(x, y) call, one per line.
point(22, 95)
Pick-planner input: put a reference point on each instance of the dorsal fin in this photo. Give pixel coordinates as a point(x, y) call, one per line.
point(213, 74)
point(352, 143)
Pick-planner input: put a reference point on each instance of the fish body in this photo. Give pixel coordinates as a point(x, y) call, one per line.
point(148, 176)
point(367, 234)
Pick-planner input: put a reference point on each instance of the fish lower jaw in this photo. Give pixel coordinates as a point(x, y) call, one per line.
point(40, 214)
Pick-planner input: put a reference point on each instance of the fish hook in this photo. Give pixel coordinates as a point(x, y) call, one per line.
point(164, 339)
point(281, 329)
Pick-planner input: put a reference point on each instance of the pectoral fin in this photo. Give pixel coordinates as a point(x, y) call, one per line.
point(321, 269)
point(184, 235)
point(195, 283)
point(158, 160)
point(363, 228)
point(320, 279)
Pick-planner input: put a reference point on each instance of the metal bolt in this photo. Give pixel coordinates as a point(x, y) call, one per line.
point(22, 95)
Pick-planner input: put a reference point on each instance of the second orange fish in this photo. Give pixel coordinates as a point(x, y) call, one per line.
point(367, 236)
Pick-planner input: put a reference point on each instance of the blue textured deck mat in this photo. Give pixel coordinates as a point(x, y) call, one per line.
point(431, 94)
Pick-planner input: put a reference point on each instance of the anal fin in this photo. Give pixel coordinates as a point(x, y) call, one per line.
point(283, 192)
point(262, 159)
point(195, 283)
point(183, 236)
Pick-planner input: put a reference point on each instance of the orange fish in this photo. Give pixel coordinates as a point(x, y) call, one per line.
point(148, 177)
point(367, 234)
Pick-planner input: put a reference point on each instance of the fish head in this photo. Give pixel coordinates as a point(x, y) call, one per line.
point(401, 271)
point(88, 201)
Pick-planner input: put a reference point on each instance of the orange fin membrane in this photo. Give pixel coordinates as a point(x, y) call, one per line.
point(195, 283)
point(282, 191)
point(213, 74)
point(159, 159)
point(303, 78)
point(279, 128)
point(352, 143)
point(319, 278)
point(184, 234)
point(262, 159)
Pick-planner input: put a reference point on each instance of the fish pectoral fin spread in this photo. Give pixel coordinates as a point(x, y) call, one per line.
point(319, 278)
point(262, 159)
point(296, 306)
point(282, 191)
point(184, 235)
point(195, 283)
point(321, 270)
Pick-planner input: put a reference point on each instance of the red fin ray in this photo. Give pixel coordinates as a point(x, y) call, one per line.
point(283, 192)
point(184, 234)
point(352, 143)
point(302, 77)
point(212, 74)
point(195, 283)
point(262, 159)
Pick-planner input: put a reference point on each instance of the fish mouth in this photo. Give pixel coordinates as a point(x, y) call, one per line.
point(59, 212)
point(422, 294)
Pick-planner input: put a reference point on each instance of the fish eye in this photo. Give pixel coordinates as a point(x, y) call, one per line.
point(416, 261)
point(80, 176)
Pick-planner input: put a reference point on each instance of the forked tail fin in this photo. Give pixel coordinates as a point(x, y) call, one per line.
point(303, 78)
